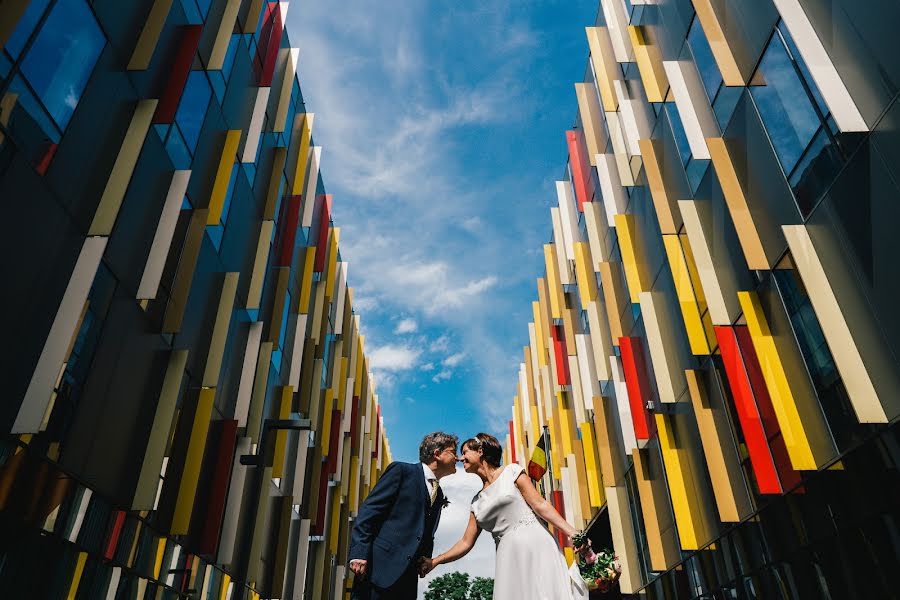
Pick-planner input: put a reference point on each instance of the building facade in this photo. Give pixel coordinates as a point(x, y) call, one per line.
point(714, 350)
point(187, 407)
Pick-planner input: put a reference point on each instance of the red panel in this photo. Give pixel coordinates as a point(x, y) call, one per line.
point(638, 384)
point(512, 442)
point(560, 506)
point(45, 160)
point(265, 34)
point(274, 43)
point(561, 354)
point(748, 413)
point(319, 525)
point(288, 232)
point(179, 70)
point(110, 549)
point(324, 221)
point(581, 167)
point(218, 489)
point(334, 441)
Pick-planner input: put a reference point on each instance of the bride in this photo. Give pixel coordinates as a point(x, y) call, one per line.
point(529, 564)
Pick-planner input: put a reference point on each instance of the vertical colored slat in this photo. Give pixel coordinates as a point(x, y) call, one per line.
point(581, 167)
point(149, 37)
point(632, 257)
point(223, 176)
point(636, 379)
point(288, 234)
point(187, 489)
point(215, 509)
point(178, 72)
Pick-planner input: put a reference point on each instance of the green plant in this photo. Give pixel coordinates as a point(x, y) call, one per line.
point(482, 588)
point(456, 586)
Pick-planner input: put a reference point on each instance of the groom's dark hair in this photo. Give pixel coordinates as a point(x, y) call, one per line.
point(435, 442)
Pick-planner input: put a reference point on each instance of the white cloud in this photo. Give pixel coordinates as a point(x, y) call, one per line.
point(393, 358)
point(479, 562)
point(406, 326)
point(454, 359)
point(440, 344)
point(443, 375)
point(427, 367)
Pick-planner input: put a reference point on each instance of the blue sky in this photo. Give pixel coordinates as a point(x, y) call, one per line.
point(443, 131)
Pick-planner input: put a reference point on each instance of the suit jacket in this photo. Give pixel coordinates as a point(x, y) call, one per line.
point(390, 528)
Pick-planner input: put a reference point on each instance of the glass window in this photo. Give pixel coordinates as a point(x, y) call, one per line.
point(703, 56)
point(25, 27)
point(62, 57)
point(193, 107)
point(785, 107)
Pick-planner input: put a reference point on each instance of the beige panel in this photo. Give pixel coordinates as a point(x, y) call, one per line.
point(258, 275)
point(591, 119)
point(258, 396)
point(623, 408)
point(559, 238)
point(696, 114)
point(279, 157)
point(615, 199)
point(726, 40)
point(863, 360)
point(223, 35)
point(220, 331)
point(719, 281)
point(62, 331)
point(254, 130)
point(604, 66)
point(609, 442)
point(635, 114)
point(722, 461)
point(617, 24)
point(120, 176)
point(184, 275)
point(248, 371)
point(254, 15)
point(149, 38)
point(315, 157)
point(623, 538)
point(151, 465)
point(290, 58)
point(668, 364)
point(230, 534)
point(598, 233)
point(599, 338)
point(568, 214)
point(282, 276)
point(649, 61)
point(656, 508)
point(162, 239)
point(618, 308)
point(620, 152)
point(664, 199)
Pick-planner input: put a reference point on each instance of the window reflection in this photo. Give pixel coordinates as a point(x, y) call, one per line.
point(27, 22)
point(703, 56)
point(192, 109)
point(62, 57)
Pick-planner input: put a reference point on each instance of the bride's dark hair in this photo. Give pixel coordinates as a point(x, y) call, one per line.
point(491, 449)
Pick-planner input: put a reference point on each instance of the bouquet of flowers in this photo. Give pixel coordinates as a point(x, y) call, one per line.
point(600, 570)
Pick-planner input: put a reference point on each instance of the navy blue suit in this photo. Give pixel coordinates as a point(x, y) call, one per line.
point(394, 527)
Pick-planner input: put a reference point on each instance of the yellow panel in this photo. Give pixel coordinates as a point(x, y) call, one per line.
point(618, 310)
point(333, 240)
point(592, 465)
point(149, 38)
point(660, 530)
point(722, 460)
point(605, 66)
point(581, 479)
point(254, 15)
point(553, 283)
point(302, 155)
point(695, 324)
point(160, 552)
point(307, 281)
point(281, 435)
point(353, 498)
point(76, 575)
point(719, 42)
point(649, 61)
point(223, 591)
point(190, 475)
point(587, 280)
point(223, 35)
point(223, 176)
point(622, 530)
point(220, 330)
point(591, 120)
point(665, 203)
point(539, 335)
point(609, 448)
point(326, 421)
point(802, 423)
point(555, 443)
point(273, 192)
point(694, 527)
point(566, 422)
point(866, 367)
point(632, 257)
point(535, 426)
point(520, 424)
point(738, 206)
point(123, 168)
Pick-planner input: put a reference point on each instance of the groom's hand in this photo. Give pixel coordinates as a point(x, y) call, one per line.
point(425, 566)
point(358, 567)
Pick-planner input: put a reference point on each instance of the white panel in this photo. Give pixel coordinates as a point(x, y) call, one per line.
point(573, 506)
point(568, 216)
point(617, 22)
point(300, 465)
point(663, 344)
point(577, 390)
point(79, 514)
point(312, 181)
point(162, 239)
point(615, 200)
point(693, 105)
point(597, 229)
point(287, 83)
point(251, 145)
point(590, 385)
point(245, 387)
point(623, 538)
point(233, 503)
point(836, 95)
point(633, 110)
point(536, 372)
point(46, 372)
point(302, 560)
point(524, 396)
point(341, 298)
point(299, 337)
point(559, 238)
point(600, 340)
point(626, 425)
point(113, 586)
point(617, 137)
point(339, 573)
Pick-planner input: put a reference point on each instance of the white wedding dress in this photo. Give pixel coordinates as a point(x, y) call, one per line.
point(530, 566)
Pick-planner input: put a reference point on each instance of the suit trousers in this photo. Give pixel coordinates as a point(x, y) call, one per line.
point(405, 588)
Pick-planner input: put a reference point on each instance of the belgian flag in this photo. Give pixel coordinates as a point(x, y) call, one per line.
point(537, 466)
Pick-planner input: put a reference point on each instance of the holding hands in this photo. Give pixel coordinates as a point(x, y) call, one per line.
point(425, 566)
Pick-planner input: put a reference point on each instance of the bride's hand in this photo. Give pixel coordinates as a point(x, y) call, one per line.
point(587, 544)
point(425, 566)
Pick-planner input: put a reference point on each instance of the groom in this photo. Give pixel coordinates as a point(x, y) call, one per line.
point(395, 525)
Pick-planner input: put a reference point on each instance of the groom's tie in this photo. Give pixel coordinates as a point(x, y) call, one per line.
point(434, 490)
